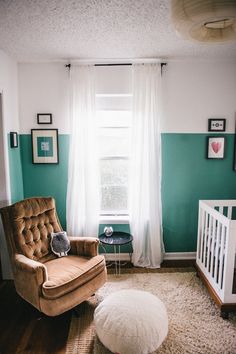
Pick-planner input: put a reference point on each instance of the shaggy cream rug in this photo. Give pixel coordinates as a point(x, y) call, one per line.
point(195, 325)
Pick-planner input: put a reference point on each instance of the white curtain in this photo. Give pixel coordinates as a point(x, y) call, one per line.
point(145, 175)
point(82, 189)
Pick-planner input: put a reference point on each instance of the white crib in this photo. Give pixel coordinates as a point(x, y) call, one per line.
point(216, 250)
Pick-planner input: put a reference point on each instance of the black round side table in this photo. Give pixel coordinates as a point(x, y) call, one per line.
point(117, 239)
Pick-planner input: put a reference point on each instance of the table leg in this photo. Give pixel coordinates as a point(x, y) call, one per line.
point(115, 259)
point(119, 259)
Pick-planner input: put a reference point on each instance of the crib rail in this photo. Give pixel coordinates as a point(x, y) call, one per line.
point(216, 246)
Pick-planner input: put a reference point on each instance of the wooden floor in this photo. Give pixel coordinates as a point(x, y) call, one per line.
point(25, 330)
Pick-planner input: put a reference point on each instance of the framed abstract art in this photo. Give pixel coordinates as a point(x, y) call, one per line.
point(45, 146)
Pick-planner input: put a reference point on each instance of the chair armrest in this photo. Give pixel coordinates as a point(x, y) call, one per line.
point(37, 269)
point(84, 246)
point(29, 275)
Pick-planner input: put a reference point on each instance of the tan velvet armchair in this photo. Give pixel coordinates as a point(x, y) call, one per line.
point(53, 285)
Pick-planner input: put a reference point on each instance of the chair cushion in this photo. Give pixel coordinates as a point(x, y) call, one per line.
point(68, 273)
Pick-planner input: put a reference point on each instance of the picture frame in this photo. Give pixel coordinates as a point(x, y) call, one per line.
point(215, 147)
point(13, 139)
point(216, 124)
point(45, 146)
point(44, 118)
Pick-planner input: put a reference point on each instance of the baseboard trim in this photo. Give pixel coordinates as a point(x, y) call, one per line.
point(179, 255)
point(168, 256)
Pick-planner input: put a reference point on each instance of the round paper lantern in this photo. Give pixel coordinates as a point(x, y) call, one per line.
point(205, 20)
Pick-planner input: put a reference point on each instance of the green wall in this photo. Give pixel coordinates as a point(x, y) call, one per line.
point(16, 178)
point(187, 176)
point(46, 179)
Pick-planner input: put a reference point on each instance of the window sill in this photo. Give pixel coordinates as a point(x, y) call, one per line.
point(114, 219)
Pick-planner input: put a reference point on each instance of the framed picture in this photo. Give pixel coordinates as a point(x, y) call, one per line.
point(13, 139)
point(44, 118)
point(45, 145)
point(215, 147)
point(216, 125)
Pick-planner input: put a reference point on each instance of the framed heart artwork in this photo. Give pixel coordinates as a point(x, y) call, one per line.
point(215, 147)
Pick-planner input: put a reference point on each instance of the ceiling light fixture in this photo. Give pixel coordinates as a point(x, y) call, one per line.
point(205, 20)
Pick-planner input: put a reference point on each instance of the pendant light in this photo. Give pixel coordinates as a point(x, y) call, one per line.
point(205, 20)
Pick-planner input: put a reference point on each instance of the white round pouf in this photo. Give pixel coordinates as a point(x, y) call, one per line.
point(131, 322)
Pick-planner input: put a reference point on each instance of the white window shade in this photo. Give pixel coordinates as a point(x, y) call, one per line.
point(114, 118)
point(113, 80)
point(105, 102)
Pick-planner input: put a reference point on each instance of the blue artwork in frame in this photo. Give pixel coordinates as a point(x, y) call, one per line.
point(45, 146)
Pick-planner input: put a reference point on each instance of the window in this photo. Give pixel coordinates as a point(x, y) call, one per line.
point(114, 121)
point(113, 141)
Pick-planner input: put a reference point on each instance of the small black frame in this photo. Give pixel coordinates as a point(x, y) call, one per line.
point(216, 124)
point(13, 139)
point(44, 118)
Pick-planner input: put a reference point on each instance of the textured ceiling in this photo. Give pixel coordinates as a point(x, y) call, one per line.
point(44, 30)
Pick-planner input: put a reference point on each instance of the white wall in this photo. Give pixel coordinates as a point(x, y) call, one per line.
point(9, 122)
point(9, 87)
point(43, 88)
point(9, 117)
point(195, 91)
point(3, 189)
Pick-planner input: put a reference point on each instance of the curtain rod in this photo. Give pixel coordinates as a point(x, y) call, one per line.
point(112, 64)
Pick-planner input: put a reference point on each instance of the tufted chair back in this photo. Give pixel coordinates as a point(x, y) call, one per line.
point(30, 223)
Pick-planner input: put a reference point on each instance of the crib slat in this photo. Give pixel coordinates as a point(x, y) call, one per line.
point(229, 212)
point(202, 234)
point(216, 264)
point(200, 228)
point(209, 237)
point(211, 270)
point(205, 238)
point(222, 246)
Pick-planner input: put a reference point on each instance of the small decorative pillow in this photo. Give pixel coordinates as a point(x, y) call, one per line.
point(60, 244)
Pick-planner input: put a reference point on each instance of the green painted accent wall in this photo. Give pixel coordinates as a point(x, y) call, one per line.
point(187, 177)
point(16, 179)
point(46, 179)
